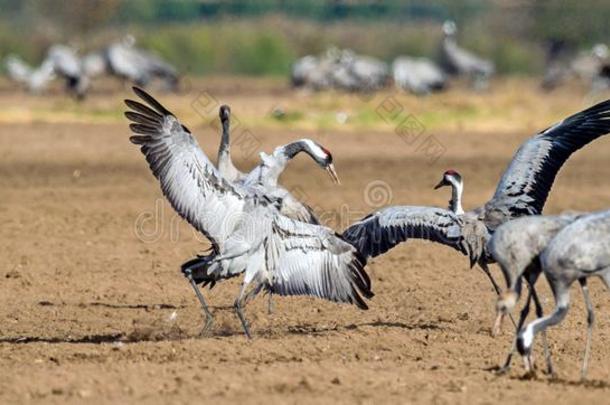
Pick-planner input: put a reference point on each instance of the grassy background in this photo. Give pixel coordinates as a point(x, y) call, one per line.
point(265, 37)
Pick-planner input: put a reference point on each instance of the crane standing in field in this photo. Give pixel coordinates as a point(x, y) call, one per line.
point(263, 179)
point(579, 251)
point(516, 247)
point(420, 76)
point(456, 60)
point(68, 65)
point(340, 69)
point(248, 235)
point(128, 62)
point(522, 190)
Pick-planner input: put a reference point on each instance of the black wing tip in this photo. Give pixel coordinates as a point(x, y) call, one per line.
point(131, 116)
point(361, 304)
point(140, 92)
point(150, 100)
point(361, 282)
point(136, 139)
point(599, 110)
point(602, 105)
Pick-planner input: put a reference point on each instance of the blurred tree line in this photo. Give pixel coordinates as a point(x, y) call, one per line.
point(264, 36)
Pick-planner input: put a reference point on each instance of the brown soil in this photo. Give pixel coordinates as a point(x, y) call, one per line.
point(91, 310)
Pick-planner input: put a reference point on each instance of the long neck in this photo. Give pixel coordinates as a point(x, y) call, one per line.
point(274, 165)
point(225, 146)
point(225, 164)
point(294, 148)
point(455, 204)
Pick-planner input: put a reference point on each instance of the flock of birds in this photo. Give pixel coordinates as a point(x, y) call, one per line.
point(121, 59)
point(563, 64)
point(259, 229)
point(336, 68)
point(344, 69)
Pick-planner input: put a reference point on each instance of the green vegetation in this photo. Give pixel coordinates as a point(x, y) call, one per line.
point(264, 37)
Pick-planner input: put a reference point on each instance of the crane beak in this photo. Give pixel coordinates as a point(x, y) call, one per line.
point(440, 184)
point(333, 173)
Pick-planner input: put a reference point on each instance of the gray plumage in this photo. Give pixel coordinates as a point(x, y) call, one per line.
point(418, 75)
point(516, 246)
point(522, 190)
point(264, 177)
point(248, 235)
point(589, 66)
point(67, 65)
point(34, 80)
point(458, 61)
point(340, 69)
point(557, 64)
point(225, 163)
point(587, 63)
point(579, 251)
point(369, 73)
point(94, 64)
point(302, 70)
point(138, 66)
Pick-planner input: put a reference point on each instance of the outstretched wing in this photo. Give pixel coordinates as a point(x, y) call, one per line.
point(380, 231)
point(188, 179)
point(312, 260)
point(525, 185)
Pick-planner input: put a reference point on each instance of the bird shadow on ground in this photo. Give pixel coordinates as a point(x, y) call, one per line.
point(149, 334)
point(147, 307)
point(316, 329)
point(89, 339)
point(553, 380)
point(595, 384)
point(157, 333)
point(313, 330)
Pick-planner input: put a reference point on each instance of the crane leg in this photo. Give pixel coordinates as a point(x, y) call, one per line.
point(209, 319)
point(485, 269)
point(239, 305)
point(545, 343)
point(606, 278)
point(270, 304)
point(523, 315)
point(255, 262)
point(590, 324)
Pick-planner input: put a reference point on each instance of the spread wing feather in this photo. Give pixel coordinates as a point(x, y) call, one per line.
point(525, 185)
point(188, 179)
point(382, 230)
point(312, 260)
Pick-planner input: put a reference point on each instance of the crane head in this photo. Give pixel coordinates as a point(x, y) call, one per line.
point(224, 112)
point(327, 163)
point(319, 153)
point(450, 178)
point(504, 306)
point(449, 28)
